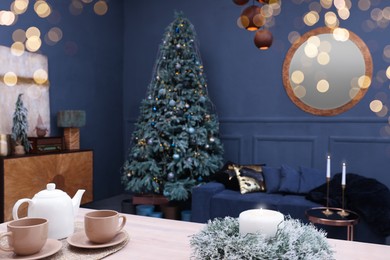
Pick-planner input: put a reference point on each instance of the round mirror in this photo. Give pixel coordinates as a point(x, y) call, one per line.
point(327, 71)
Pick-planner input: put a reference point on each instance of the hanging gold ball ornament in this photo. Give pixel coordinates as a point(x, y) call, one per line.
point(263, 39)
point(251, 18)
point(240, 2)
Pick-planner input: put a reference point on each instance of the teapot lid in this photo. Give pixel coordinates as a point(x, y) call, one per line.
point(50, 192)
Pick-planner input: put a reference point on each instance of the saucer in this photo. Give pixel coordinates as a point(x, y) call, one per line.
point(80, 240)
point(51, 247)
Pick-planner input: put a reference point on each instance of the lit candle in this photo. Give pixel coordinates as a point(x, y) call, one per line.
point(343, 176)
point(263, 221)
point(328, 167)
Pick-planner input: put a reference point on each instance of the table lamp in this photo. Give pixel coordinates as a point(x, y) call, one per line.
point(71, 121)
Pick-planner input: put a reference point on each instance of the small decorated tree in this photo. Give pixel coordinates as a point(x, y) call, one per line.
point(20, 125)
point(176, 142)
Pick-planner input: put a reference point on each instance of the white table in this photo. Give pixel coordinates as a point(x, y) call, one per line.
point(154, 238)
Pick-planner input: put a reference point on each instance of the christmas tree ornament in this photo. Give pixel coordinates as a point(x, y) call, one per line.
point(191, 130)
point(149, 97)
point(172, 102)
point(177, 66)
point(150, 141)
point(171, 176)
point(212, 139)
point(202, 99)
point(178, 46)
point(162, 92)
point(176, 156)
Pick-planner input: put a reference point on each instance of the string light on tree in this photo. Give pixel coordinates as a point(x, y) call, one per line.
point(175, 142)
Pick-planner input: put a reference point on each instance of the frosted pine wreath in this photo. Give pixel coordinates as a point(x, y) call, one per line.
point(220, 239)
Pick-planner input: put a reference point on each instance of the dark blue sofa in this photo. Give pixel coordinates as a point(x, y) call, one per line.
point(213, 200)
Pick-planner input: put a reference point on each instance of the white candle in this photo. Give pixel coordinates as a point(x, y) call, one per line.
point(3, 148)
point(263, 221)
point(343, 176)
point(328, 167)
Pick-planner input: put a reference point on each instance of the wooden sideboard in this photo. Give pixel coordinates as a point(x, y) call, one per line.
point(24, 176)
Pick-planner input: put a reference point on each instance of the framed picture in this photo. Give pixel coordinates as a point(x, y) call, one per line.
point(26, 73)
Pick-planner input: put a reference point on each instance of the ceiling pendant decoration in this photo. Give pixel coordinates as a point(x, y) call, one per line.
point(258, 18)
point(263, 39)
point(251, 18)
point(240, 2)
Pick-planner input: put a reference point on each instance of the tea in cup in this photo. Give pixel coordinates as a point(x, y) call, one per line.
point(101, 226)
point(26, 236)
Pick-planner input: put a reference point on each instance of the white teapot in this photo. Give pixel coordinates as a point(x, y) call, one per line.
point(54, 205)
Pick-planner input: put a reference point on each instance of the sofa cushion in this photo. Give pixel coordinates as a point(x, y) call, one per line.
point(227, 176)
point(249, 180)
point(272, 179)
point(289, 179)
point(310, 179)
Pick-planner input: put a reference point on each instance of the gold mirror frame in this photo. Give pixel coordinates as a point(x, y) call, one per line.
point(358, 94)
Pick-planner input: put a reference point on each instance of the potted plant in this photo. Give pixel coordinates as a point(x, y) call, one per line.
point(20, 127)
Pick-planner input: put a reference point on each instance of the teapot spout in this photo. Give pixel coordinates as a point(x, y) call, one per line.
point(76, 201)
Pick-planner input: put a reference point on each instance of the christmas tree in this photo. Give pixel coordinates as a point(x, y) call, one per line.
point(176, 144)
point(20, 124)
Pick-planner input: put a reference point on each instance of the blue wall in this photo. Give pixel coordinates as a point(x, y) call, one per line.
point(259, 123)
point(85, 72)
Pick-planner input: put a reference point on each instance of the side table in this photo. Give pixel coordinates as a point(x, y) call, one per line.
point(317, 216)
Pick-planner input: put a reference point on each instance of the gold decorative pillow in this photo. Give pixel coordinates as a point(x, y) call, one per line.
point(248, 184)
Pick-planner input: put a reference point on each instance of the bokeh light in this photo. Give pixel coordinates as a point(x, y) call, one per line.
point(331, 20)
point(33, 31)
point(297, 77)
point(40, 76)
point(364, 81)
point(311, 50)
point(326, 4)
point(376, 106)
point(76, 8)
point(53, 36)
point(42, 9)
point(19, 6)
point(311, 18)
point(17, 48)
point(7, 18)
point(10, 79)
point(299, 91)
point(323, 58)
point(101, 8)
point(19, 35)
point(293, 36)
point(353, 92)
point(322, 86)
point(343, 13)
point(388, 72)
point(364, 5)
point(33, 43)
point(341, 34)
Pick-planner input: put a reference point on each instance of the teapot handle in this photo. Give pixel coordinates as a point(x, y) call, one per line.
point(17, 205)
